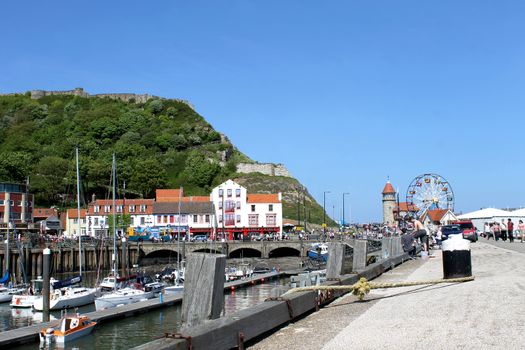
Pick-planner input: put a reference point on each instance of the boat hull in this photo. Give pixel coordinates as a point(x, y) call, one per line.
point(316, 256)
point(23, 301)
point(110, 301)
point(67, 302)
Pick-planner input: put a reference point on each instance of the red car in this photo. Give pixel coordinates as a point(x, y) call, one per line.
point(469, 230)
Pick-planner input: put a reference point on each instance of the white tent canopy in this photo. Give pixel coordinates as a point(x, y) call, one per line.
point(487, 213)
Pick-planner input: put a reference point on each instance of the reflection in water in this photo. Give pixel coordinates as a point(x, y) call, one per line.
point(133, 331)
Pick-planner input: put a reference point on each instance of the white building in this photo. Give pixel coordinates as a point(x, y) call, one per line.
point(72, 222)
point(195, 217)
point(239, 213)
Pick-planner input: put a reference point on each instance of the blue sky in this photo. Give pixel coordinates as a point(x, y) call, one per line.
point(344, 93)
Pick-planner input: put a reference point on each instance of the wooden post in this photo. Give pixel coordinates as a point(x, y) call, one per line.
point(359, 260)
point(45, 289)
point(203, 289)
point(33, 267)
point(334, 266)
point(39, 265)
point(386, 246)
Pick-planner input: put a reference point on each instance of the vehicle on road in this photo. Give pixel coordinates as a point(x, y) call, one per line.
point(468, 228)
point(199, 238)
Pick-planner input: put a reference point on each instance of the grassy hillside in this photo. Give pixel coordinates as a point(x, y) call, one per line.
point(158, 144)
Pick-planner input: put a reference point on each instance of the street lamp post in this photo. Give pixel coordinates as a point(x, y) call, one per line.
point(344, 193)
point(324, 211)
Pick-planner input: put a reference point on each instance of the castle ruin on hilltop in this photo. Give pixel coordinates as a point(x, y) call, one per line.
point(270, 169)
point(125, 97)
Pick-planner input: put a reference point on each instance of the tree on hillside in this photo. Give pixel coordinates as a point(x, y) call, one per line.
point(50, 179)
point(14, 166)
point(148, 175)
point(199, 170)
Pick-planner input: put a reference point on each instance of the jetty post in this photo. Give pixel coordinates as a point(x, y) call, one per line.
point(45, 288)
point(360, 250)
point(335, 263)
point(203, 289)
point(386, 248)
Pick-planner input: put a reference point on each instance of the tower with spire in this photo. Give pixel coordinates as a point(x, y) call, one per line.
point(389, 203)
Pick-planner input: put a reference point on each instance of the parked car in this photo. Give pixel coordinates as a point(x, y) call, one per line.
point(447, 230)
point(469, 230)
point(200, 238)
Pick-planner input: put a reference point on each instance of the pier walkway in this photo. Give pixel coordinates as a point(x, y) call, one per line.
point(488, 312)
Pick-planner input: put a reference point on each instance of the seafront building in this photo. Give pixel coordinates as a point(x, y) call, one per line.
point(16, 205)
point(229, 212)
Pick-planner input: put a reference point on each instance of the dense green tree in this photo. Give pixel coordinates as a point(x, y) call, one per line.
point(199, 170)
point(15, 166)
point(148, 175)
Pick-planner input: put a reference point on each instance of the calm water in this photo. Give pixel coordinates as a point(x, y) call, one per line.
point(133, 331)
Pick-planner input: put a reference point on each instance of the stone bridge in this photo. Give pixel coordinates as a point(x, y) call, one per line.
point(232, 249)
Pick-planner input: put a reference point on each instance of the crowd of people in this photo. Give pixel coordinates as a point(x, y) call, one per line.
point(504, 230)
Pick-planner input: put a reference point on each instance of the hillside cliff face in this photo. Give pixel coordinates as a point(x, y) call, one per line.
point(159, 143)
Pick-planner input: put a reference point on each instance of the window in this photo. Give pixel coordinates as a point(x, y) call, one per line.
point(95, 222)
point(184, 219)
point(107, 208)
point(229, 192)
point(238, 205)
point(96, 209)
point(132, 221)
point(119, 208)
point(159, 219)
point(230, 206)
point(207, 218)
point(220, 218)
point(131, 208)
point(270, 207)
point(142, 208)
point(1, 202)
point(165, 219)
point(253, 207)
point(229, 219)
point(270, 220)
point(172, 219)
point(238, 192)
point(195, 218)
point(238, 218)
point(142, 221)
point(253, 220)
point(220, 205)
point(12, 203)
point(19, 203)
point(221, 192)
point(75, 221)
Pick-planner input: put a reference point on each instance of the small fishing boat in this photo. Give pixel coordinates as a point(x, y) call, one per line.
point(318, 252)
point(112, 282)
point(26, 298)
point(6, 294)
point(68, 328)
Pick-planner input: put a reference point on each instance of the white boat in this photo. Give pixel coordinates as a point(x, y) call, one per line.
point(176, 288)
point(6, 294)
point(318, 252)
point(66, 298)
point(70, 327)
point(124, 296)
point(23, 300)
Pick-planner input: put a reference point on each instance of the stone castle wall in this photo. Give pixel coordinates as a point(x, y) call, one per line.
point(270, 169)
point(125, 97)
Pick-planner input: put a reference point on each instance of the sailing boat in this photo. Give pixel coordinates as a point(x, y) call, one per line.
point(134, 292)
point(64, 295)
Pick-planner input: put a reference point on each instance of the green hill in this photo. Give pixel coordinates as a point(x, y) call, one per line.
point(161, 143)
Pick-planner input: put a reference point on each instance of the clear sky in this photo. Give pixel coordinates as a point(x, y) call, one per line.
point(344, 93)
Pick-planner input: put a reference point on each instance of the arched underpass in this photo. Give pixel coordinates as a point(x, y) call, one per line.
point(210, 251)
point(245, 253)
point(163, 256)
point(284, 251)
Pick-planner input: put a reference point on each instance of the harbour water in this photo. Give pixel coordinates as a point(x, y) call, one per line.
point(129, 332)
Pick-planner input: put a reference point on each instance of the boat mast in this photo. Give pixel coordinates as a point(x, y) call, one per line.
point(178, 232)
point(78, 216)
point(113, 172)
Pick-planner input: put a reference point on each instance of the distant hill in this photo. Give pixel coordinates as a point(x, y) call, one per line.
point(159, 143)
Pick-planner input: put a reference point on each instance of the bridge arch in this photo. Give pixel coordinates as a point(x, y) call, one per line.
point(284, 251)
point(245, 253)
point(161, 256)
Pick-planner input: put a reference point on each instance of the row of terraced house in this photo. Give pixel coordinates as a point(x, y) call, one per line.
point(228, 212)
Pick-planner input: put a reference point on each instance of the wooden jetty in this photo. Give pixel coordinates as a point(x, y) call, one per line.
point(30, 334)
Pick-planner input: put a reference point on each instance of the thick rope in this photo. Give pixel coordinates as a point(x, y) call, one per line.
point(363, 287)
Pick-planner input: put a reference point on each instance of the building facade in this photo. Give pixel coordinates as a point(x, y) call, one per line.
point(16, 204)
point(240, 214)
point(389, 203)
point(72, 223)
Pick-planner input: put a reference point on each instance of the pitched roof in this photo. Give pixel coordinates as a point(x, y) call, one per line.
point(185, 207)
point(196, 199)
point(388, 188)
point(263, 198)
point(437, 214)
point(404, 206)
point(168, 194)
point(73, 213)
point(44, 212)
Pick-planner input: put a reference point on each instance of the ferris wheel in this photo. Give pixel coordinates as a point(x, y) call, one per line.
point(428, 192)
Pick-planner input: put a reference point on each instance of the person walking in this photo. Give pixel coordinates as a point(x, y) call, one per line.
point(510, 230)
point(521, 228)
point(496, 231)
point(486, 230)
point(503, 230)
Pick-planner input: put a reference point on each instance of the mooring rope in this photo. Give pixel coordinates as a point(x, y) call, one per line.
point(363, 287)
